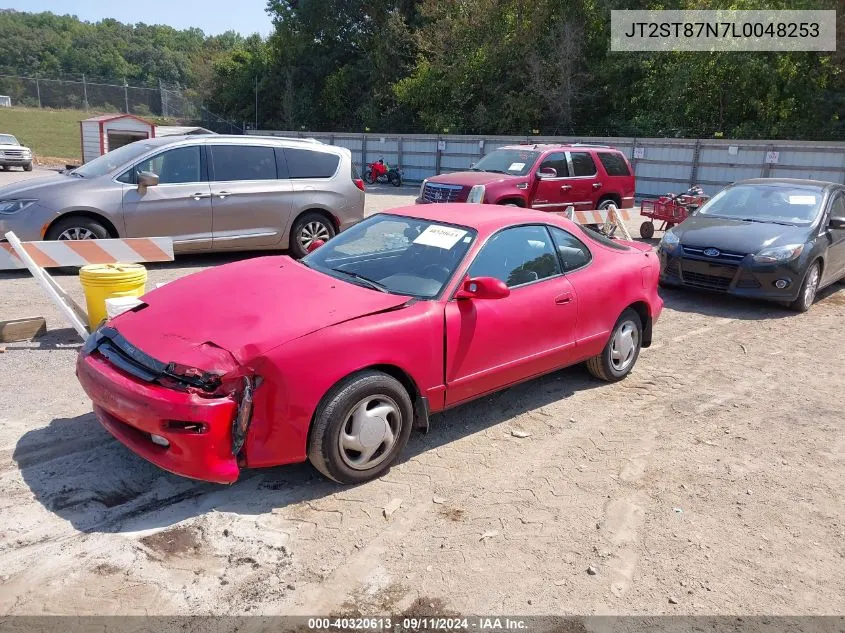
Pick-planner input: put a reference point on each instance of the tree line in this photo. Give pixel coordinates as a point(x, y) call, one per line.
point(458, 66)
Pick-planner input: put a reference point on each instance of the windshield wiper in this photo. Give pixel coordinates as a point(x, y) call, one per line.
point(766, 221)
point(367, 281)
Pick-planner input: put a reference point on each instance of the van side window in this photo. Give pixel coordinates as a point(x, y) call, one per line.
point(242, 162)
point(175, 166)
point(582, 164)
point(614, 164)
point(305, 163)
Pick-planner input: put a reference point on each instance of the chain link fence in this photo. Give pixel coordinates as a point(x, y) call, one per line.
point(87, 93)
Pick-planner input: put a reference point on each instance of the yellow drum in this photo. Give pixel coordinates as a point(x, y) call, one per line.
point(106, 281)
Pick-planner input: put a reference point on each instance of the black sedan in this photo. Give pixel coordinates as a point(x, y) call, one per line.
point(768, 238)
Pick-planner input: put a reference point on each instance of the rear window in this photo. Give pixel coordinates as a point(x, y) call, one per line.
point(305, 163)
point(594, 235)
point(582, 164)
point(243, 162)
point(614, 164)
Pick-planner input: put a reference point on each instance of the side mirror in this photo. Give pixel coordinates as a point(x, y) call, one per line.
point(837, 224)
point(146, 179)
point(313, 246)
point(483, 288)
point(547, 172)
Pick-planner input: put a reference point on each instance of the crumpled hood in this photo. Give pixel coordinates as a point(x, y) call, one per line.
point(736, 235)
point(226, 315)
point(470, 178)
point(37, 186)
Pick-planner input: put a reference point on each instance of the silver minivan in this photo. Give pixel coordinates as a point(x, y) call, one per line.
point(208, 193)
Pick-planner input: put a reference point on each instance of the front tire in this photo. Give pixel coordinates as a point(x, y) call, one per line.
point(308, 228)
point(27, 167)
point(395, 180)
point(360, 428)
point(807, 295)
point(619, 356)
point(77, 228)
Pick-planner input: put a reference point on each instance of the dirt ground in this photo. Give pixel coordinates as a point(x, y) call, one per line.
point(711, 481)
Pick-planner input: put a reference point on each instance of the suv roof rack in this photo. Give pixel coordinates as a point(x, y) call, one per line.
point(590, 145)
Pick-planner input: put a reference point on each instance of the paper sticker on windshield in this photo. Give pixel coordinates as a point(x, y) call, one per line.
point(440, 236)
point(802, 199)
point(516, 166)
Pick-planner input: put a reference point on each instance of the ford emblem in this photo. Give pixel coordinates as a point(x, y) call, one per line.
point(712, 252)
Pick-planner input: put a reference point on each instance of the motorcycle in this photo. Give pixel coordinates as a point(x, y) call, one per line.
point(380, 172)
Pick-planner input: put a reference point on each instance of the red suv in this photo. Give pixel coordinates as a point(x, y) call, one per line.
point(545, 177)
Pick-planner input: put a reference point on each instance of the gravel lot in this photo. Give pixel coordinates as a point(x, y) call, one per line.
point(711, 481)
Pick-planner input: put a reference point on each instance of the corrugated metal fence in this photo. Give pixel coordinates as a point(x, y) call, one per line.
point(660, 165)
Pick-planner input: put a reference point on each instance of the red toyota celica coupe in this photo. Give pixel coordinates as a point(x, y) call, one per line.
point(336, 357)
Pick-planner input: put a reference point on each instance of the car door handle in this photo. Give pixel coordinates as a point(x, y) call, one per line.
point(596, 185)
point(566, 187)
point(222, 194)
point(200, 196)
point(563, 299)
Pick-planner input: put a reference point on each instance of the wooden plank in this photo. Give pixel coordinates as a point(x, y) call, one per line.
point(22, 329)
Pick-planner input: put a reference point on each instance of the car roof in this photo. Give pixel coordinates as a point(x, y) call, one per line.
point(547, 146)
point(485, 218)
point(803, 182)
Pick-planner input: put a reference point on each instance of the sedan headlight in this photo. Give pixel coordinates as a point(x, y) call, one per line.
point(476, 194)
point(779, 254)
point(669, 240)
point(8, 207)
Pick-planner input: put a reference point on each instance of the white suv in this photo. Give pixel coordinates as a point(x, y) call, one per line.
point(13, 154)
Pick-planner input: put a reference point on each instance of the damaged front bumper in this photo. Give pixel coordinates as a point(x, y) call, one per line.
point(180, 419)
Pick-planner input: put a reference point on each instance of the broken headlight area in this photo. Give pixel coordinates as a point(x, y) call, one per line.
point(114, 347)
point(240, 425)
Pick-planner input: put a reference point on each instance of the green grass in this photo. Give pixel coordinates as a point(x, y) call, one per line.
point(53, 135)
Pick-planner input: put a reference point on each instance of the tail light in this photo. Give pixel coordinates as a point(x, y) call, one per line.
point(359, 183)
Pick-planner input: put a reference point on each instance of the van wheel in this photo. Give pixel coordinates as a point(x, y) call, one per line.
point(77, 227)
point(308, 228)
point(360, 428)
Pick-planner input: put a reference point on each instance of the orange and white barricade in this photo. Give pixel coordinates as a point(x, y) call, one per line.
point(59, 253)
point(611, 215)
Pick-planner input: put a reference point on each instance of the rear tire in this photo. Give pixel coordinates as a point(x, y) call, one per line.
point(368, 409)
point(647, 230)
point(307, 228)
point(605, 204)
point(619, 356)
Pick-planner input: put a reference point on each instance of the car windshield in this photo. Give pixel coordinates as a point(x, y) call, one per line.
point(396, 254)
point(8, 139)
point(112, 160)
point(515, 162)
point(769, 202)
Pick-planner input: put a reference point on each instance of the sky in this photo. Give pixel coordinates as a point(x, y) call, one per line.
point(212, 16)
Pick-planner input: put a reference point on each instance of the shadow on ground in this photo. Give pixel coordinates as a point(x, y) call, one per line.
point(75, 469)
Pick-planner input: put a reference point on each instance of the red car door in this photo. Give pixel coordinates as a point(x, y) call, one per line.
point(552, 193)
point(584, 186)
point(492, 343)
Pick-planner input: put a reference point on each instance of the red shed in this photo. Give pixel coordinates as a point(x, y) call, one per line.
point(101, 134)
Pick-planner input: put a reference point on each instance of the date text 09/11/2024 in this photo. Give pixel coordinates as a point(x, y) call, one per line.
point(417, 624)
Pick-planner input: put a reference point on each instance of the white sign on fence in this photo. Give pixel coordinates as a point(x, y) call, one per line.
point(639, 152)
point(441, 146)
point(733, 150)
point(772, 157)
